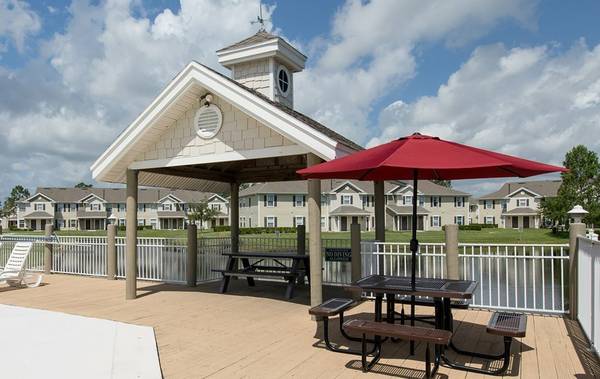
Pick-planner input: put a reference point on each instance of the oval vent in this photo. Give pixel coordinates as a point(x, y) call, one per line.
point(208, 121)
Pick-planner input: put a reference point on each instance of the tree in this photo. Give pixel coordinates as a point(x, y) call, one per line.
point(17, 194)
point(580, 186)
point(444, 183)
point(201, 212)
point(83, 185)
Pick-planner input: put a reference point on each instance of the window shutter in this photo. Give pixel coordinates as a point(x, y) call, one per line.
point(265, 200)
point(303, 200)
point(294, 203)
point(294, 219)
point(527, 202)
point(275, 221)
point(493, 204)
point(275, 200)
point(265, 224)
point(455, 207)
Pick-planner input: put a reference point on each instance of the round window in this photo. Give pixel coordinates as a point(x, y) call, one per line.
point(208, 121)
point(283, 80)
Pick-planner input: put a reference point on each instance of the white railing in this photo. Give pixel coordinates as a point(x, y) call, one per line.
point(525, 277)
point(394, 258)
point(588, 289)
point(79, 255)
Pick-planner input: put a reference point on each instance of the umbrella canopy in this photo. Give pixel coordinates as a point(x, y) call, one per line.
point(424, 157)
point(419, 157)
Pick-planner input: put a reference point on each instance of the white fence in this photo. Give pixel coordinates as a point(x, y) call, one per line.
point(588, 289)
point(528, 277)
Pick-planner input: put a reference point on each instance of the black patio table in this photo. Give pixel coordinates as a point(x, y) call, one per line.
point(441, 290)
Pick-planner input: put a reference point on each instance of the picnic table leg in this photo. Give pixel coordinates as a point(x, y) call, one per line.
point(448, 319)
point(378, 306)
point(246, 264)
point(225, 281)
point(289, 292)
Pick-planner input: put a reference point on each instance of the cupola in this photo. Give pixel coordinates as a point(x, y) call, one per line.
point(265, 63)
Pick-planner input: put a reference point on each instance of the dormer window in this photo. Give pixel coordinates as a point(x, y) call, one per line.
point(283, 80)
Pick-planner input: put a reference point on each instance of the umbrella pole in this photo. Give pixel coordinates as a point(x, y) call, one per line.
point(414, 246)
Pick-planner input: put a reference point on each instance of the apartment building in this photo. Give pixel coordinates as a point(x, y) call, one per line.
point(344, 202)
point(95, 208)
point(515, 204)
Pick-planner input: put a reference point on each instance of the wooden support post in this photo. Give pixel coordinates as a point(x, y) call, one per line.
point(576, 230)
point(356, 263)
point(379, 211)
point(451, 233)
point(111, 252)
point(234, 206)
point(191, 273)
point(131, 236)
point(301, 239)
point(48, 229)
point(314, 235)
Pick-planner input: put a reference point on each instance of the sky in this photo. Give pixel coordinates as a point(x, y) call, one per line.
point(517, 76)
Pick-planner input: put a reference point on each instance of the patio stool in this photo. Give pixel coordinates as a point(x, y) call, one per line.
point(506, 324)
point(438, 337)
point(330, 308)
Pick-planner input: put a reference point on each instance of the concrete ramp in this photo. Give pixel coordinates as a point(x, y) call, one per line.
point(42, 344)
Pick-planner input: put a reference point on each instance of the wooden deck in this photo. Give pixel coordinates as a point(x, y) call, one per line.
point(254, 332)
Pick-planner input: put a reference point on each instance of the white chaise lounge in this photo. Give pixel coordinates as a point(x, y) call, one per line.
point(14, 273)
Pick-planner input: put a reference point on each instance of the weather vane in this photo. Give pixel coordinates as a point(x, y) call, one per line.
point(259, 19)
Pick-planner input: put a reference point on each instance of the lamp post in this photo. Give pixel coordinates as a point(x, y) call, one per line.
point(577, 214)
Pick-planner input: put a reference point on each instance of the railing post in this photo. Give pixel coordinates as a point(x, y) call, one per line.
point(191, 272)
point(576, 229)
point(301, 235)
point(49, 228)
point(111, 252)
point(451, 233)
point(356, 259)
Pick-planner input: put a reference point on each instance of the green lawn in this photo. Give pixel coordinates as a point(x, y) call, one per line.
point(492, 235)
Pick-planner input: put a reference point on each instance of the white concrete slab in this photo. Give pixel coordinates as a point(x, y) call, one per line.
point(42, 344)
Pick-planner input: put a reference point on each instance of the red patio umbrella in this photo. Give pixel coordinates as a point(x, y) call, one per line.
point(421, 157)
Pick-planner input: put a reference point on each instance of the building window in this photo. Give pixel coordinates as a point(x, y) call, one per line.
point(522, 202)
point(407, 200)
point(459, 220)
point(216, 207)
point(141, 207)
point(436, 221)
point(21, 224)
point(95, 207)
point(39, 207)
point(323, 221)
point(141, 222)
point(122, 222)
point(153, 223)
point(299, 200)
point(283, 80)
point(167, 207)
point(504, 206)
point(323, 199)
point(489, 204)
point(270, 200)
point(490, 220)
point(459, 201)
point(346, 199)
point(271, 222)
point(436, 202)
point(298, 220)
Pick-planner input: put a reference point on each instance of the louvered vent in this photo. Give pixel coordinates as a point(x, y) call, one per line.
point(208, 121)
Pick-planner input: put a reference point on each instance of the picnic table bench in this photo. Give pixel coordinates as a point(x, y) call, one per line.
point(292, 274)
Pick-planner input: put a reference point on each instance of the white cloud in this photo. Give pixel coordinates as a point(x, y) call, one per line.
point(371, 51)
point(17, 22)
point(535, 102)
point(104, 68)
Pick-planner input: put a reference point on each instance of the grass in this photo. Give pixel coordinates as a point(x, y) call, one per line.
point(491, 235)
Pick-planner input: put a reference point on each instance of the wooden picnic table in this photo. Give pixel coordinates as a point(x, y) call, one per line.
point(293, 274)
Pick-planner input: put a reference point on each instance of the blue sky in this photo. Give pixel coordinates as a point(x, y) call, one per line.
point(516, 76)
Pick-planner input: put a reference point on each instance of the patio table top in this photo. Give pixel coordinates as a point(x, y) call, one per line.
point(432, 287)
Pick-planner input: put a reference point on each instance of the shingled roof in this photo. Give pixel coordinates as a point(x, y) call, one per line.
point(260, 36)
point(545, 188)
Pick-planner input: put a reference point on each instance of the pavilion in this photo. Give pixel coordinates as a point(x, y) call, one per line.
point(209, 132)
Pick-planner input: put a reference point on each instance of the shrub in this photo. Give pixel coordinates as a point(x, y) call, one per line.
point(257, 230)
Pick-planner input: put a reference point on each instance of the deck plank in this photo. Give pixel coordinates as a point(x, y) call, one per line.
point(256, 333)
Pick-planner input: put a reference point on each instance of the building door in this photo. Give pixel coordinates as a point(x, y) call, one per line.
point(344, 224)
point(404, 223)
point(420, 223)
point(33, 224)
point(525, 222)
point(515, 222)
